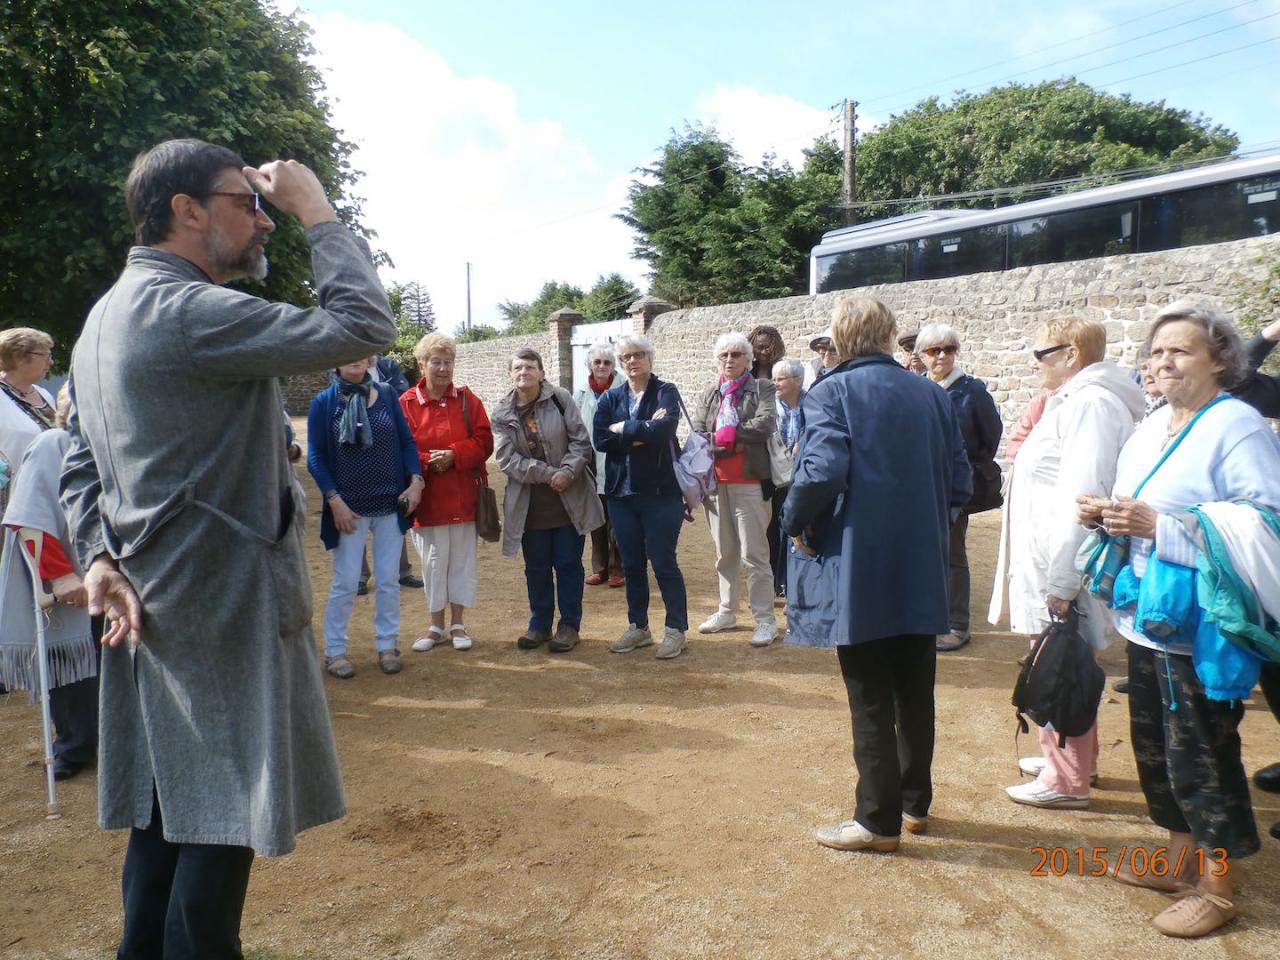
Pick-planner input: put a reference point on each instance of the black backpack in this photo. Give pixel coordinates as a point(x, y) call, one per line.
point(1061, 683)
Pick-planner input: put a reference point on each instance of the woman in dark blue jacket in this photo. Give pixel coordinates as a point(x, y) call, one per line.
point(363, 458)
point(635, 428)
point(863, 580)
point(939, 345)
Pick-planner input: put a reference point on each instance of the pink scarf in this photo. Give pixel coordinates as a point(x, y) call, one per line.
point(727, 416)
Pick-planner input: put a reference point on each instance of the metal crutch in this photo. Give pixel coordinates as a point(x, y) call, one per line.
point(31, 543)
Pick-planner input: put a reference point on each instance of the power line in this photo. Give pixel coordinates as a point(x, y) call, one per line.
point(1186, 63)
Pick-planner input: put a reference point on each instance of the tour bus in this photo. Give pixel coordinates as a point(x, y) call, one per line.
point(1208, 204)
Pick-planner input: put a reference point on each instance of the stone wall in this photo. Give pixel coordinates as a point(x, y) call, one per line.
point(996, 313)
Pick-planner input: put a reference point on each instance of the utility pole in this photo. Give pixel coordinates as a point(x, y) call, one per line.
point(468, 294)
point(849, 189)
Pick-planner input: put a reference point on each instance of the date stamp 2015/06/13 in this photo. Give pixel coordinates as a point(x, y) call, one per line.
point(1097, 862)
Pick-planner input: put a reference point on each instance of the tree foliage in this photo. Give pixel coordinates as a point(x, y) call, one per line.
point(480, 331)
point(608, 299)
point(714, 230)
point(1023, 134)
point(86, 86)
point(409, 302)
point(417, 307)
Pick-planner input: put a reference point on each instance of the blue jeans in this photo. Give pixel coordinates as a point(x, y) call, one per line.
point(559, 549)
point(647, 529)
point(347, 556)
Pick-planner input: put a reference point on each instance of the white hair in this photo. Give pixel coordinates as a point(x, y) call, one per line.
point(734, 339)
point(601, 348)
point(937, 335)
point(630, 342)
point(788, 367)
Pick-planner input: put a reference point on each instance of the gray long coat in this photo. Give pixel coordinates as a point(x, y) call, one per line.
point(178, 469)
point(568, 447)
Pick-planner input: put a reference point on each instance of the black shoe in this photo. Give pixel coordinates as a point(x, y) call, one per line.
point(362, 588)
point(1121, 685)
point(532, 639)
point(409, 580)
point(1268, 778)
point(1275, 829)
point(64, 769)
point(566, 639)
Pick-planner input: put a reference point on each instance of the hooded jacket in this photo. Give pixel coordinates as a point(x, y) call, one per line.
point(1072, 449)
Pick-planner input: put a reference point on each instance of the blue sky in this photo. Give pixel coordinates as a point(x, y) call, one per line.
point(506, 133)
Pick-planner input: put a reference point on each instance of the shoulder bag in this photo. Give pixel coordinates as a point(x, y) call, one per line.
point(694, 465)
point(1102, 556)
point(488, 520)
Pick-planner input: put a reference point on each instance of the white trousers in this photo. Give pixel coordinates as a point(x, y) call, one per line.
point(448, 554)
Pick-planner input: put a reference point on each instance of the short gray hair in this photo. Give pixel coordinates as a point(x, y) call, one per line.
point(937, 335)
point(788, 367)
point(734, 339)
point(1226, 346)
point(633, 341)
point(601, 348)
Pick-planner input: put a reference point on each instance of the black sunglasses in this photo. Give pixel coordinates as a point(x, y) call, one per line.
point(252, 195)
point(1047, 351)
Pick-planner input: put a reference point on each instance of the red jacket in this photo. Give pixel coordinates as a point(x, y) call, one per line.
point(449, 497)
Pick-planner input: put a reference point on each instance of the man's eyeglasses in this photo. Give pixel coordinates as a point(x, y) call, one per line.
point(936, 352)
point(628, 357)
point(1048, 351)
point(255, 201)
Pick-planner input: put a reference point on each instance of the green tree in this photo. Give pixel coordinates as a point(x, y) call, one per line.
point(86, 86)
point(609, 298)
point(676, 208)
point(418, 308)
point(532, 317)
point(1022, 134)
point(479, 331)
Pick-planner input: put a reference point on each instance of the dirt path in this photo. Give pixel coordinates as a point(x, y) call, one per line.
point(510, 804)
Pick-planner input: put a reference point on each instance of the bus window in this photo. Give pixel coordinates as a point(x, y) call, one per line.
point(953, 255)
point(1073, 235)
point(1212, 214)
point(860, 268)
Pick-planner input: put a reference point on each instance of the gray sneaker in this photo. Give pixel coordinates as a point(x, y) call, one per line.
point(339, 667)
point(672, 644)
point(566, 639)
point(633, 638)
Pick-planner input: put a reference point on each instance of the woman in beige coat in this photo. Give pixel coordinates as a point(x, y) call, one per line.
point(550, 504)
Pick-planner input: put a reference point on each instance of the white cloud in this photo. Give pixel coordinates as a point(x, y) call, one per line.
point(454, 172)
point(758, 123)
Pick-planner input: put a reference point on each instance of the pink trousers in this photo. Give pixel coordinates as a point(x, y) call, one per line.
point(1068, 769)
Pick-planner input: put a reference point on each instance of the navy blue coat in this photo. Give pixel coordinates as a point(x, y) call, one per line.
point(642, 452)
point(321, 456)
point(879, 500)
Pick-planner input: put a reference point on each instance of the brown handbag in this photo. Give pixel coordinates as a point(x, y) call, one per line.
point(488, 520)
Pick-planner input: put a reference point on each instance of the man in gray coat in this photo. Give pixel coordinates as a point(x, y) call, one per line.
point(216, 742)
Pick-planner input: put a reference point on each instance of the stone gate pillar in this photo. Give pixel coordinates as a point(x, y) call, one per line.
point(561, 324)
point(642, 312)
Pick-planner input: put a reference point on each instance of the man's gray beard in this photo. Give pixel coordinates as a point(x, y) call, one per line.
point(249, 262)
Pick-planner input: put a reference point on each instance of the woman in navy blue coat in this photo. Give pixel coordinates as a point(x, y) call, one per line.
point(880, 443)
point(635, 428)
point(980, 425)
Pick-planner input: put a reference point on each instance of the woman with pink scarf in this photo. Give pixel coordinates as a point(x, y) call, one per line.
point(738, 412)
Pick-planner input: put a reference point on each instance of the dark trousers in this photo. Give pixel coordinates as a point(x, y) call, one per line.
point(647, 529)
point(405, 569)
point(958, 578)
point(605, 559)
point(1188, 756)
point(182, 901)
point(1270, 683)
point(890, 687)
point(558, 549)
point(74, 709)
point(778, 544)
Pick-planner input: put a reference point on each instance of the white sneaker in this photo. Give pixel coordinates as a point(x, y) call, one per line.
point(718, 621)
point(1035, 794)
point(764, 635)
point(633, 638)
point(672, 645)
point(1032, 767)
point(851, 835)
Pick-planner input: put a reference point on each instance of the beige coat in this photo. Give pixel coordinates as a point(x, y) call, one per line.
point(568, 446)
point(757, 421)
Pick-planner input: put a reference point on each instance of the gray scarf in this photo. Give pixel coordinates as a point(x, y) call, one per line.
point(355, 430)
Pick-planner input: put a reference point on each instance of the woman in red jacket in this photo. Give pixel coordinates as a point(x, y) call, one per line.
point(451, 428)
